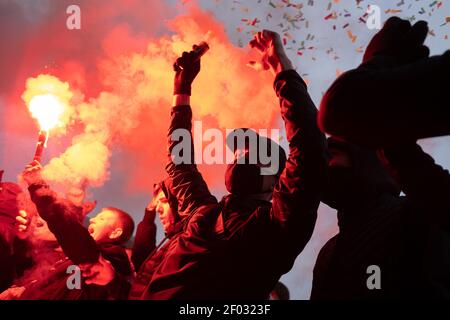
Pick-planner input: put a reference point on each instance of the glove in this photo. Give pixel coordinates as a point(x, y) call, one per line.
point(186, 69)
point(400, 40)
point(149, 216)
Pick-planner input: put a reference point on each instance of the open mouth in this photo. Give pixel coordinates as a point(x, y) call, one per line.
point(91, 229)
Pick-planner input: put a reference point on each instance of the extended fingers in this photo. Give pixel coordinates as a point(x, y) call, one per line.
point(418, 33)
point(186, 59)
point(23, 213)
point(21, 220)
point(255, 44)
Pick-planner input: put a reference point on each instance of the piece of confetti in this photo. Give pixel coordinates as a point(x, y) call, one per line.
point(351, 36)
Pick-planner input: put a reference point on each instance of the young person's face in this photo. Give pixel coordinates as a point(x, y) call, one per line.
point(105, 226)
point(163, 209)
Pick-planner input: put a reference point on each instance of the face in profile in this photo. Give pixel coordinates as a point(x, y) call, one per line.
point(105, 226)
point(164, 210)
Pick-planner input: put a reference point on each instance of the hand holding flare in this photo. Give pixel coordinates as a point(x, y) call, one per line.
point(46, 109)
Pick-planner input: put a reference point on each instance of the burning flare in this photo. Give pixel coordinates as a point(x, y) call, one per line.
point(47, 109)
point(47, 99)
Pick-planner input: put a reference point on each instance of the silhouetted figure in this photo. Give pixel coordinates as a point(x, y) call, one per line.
point(239, 248)
point(388, 246)
point(397, 95)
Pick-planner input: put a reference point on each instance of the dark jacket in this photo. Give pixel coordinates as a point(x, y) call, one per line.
point(14, 257)
point(406, 237)
point(64, 221)
point(145, 239)
point(14, 252)
point(239, 248)
point(47, 278)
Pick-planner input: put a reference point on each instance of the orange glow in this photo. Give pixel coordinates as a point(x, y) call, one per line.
point(49, 101)
point(47, 110)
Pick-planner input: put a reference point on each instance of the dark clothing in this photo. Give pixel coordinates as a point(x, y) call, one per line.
point(48, 278)
point(14, 252)
point(426, 184)
point(145, 239)
point(63, 219)
point(406, 237)
point(14, 257)
point(239, 248)
point(382, 103)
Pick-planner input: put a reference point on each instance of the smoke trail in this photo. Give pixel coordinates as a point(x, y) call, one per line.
point(132, 114)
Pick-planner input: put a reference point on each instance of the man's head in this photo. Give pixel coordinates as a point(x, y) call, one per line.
point(355, 175)
point(111, 225)
point(165, 206)
point(258, 163)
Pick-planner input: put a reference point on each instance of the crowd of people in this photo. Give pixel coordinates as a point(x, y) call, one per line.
point(240, 246)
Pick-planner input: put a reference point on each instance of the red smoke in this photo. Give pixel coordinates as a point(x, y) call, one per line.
point(119, 67)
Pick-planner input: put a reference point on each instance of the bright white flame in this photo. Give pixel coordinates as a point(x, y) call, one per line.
point(47, 110)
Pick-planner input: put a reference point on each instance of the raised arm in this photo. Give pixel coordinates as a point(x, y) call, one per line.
point(426, 184)
point(145, 239)
point(62, 218)
point(188, 185)
point(297, 195)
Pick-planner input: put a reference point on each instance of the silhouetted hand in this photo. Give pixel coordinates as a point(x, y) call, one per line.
point(273, 56)
point(399, 40)
point(186, 69)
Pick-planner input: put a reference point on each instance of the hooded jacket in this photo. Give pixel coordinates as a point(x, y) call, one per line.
point(239, 248)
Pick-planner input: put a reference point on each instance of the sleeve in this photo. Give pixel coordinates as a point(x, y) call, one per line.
point(297, 195)
point(118, 257)
point(320, 271)
point(145, 239)
point(7, 272)
point(62, 218)
point(187, 185)
point(425, 184)
point(382, 103)
point(118, 288)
